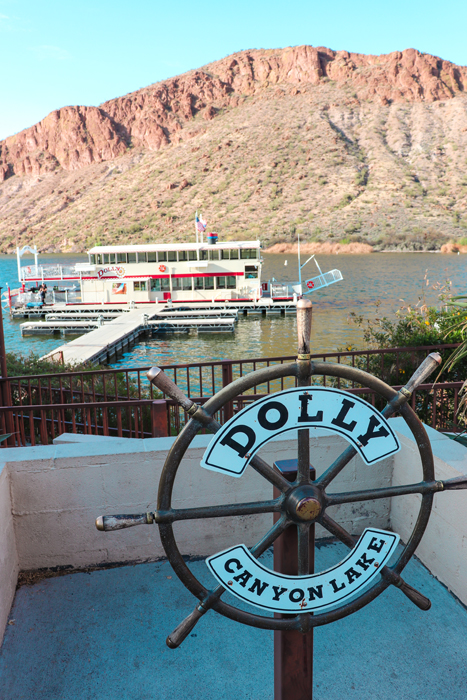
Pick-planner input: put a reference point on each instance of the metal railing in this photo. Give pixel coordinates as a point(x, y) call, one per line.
point(122, 402)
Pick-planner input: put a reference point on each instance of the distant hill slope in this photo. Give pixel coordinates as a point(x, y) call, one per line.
point(269, 143)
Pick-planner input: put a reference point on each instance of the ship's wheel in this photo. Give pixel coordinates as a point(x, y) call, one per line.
point(307, 600)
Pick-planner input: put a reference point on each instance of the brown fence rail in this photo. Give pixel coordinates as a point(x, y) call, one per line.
point(121, 402)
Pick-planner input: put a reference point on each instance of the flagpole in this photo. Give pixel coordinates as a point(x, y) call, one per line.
point(196, 228)
point(299, 267)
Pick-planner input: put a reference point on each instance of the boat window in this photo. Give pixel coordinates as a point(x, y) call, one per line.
point(139, 286)
point(121, 257)
point(209, 282)
point(251, 272)
point(99, 259)
point(199, 282)
point(203, 254)
point(152, 257)
point(131, 257)
point(182, 255)
point(234, 254)
point(192, 255)
point(160, 285)
point(106, 258)
point(225, 282)
point(180, 284)
point(162, 256)
point(92, 259)
point(248, 254)
point(172, 256)
point(142, 257)
point(214, 255)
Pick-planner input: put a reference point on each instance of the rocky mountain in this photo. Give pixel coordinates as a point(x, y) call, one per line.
point(336, 146)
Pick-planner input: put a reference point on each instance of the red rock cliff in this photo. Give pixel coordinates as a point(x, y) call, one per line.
point(74, 137)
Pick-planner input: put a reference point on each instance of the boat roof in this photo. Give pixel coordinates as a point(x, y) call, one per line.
point(155, 247)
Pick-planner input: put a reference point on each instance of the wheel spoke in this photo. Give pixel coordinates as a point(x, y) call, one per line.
point(389, 575)
point(423, 487)
point(303, 532)
point(222, 511)
point(274, 477)
point(272, 535)
point(185, 627)
point(303, 475)
point(337, 530)
point(336, 467)
point(331, 472)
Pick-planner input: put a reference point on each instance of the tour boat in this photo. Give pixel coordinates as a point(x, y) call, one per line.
point(202, 273)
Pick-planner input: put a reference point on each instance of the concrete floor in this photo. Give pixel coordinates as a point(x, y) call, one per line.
point(102, 634)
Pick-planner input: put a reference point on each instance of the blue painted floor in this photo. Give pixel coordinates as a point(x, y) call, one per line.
point(102, 635)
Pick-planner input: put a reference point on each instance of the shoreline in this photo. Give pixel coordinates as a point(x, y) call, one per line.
point(354, 249)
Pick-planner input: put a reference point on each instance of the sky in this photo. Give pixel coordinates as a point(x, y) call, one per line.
point(57, 53)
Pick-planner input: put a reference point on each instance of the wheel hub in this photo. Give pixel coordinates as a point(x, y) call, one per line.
point(308, 508)
point(304, 503)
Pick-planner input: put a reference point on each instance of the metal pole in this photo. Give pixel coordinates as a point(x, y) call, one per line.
point(293, 651)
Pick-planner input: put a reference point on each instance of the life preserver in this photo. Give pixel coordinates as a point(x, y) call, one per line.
point(162, 268)
point(310, 284)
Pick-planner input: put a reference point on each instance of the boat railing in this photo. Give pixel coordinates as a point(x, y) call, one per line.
point(282, 290)
point(19, 298)
point(46, 272)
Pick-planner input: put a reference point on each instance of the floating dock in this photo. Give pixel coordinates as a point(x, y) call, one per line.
point(106, 340)
point(63, 327)
point(263, 306)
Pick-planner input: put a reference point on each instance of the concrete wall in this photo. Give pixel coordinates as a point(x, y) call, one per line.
point(443, 548)
point(58, 491)
point(9, 564)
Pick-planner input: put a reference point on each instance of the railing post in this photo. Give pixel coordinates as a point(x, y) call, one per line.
point(5, 389)
point(227, 379)
point(43, 428)
point(159, 420)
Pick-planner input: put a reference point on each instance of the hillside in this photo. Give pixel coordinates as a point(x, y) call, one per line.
point(266, 143)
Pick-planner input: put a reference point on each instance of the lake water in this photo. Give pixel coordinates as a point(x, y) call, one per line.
point(385, 277)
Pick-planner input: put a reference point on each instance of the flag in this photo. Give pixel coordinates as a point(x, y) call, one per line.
point(200, 224)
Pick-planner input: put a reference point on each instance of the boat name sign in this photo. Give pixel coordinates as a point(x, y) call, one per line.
point(117, 269)
point(235, 444)
point(241, 574)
